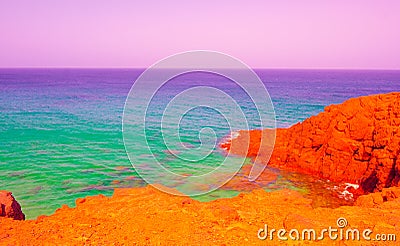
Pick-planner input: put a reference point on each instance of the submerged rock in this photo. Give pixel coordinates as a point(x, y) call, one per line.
point(9, 207)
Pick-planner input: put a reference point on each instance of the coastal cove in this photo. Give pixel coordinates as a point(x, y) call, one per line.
point(62, 127)
point(199, 123)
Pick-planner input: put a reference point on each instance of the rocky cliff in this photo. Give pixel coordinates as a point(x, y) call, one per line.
point(357, 141)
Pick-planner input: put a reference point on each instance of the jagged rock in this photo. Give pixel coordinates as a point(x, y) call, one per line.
point(9, 207)
point(357, 141)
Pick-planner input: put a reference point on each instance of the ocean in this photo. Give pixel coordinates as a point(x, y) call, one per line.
point(61, 129)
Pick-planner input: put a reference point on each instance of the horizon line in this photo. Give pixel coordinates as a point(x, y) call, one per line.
point(254, 68)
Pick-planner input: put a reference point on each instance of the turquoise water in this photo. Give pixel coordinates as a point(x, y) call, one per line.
point(61, 133)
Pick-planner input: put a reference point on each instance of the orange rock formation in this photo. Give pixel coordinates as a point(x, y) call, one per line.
point(9, 207)
point(357, 141)
point(147, 216)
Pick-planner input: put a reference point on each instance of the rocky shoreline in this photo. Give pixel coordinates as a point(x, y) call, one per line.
point(147, 216)
point(356, 142)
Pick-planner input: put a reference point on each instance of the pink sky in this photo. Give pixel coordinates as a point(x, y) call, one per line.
point(284, 34)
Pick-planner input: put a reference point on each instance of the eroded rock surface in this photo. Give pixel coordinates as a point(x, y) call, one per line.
point(357, 141)
point(9, 207)
point(147, 216)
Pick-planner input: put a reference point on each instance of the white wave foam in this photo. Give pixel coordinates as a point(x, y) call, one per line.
point(234, 134)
